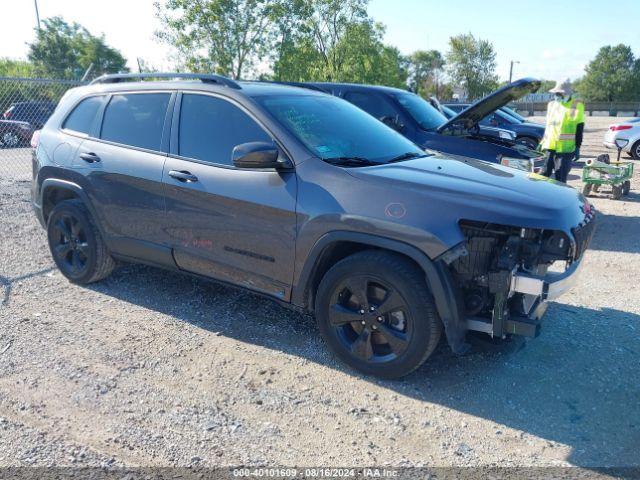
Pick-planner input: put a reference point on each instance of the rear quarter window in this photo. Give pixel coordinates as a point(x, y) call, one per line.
point(83, 115)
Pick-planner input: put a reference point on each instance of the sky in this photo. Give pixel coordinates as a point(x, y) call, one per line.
point(551, 39)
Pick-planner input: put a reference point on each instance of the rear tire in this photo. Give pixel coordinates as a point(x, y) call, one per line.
point(626, 187)
point(76, 245)
point(375, 311)
point(10, 140)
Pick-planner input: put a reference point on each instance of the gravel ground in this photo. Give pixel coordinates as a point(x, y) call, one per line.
point(150, 368)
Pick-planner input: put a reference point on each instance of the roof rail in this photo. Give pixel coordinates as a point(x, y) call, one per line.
point(203, 77)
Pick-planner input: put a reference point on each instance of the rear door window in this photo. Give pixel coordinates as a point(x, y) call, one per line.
point(82, 117)
point(136, 119)
point(211, 127)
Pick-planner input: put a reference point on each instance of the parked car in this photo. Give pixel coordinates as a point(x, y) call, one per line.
point(628, 131)
point(528, 134)
point(500, 133)
point(514, 114)
point(420, 122)
point(306, 199)
point(15, 134)
point(34, 113)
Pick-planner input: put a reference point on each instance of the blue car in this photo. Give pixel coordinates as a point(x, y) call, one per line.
point(527, 133)
point(420, 122)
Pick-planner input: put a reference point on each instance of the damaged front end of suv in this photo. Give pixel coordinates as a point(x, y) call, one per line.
point(506, 275)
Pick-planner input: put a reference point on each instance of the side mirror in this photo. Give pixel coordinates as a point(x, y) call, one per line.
point(258, 155)
point(494, 121)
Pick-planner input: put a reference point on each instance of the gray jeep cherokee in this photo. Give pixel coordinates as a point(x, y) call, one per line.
point(307, 199)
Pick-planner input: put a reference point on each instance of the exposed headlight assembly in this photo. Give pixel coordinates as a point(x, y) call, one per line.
point(525, 164)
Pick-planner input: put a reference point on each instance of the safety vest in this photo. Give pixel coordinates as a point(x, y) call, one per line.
point(563, 119)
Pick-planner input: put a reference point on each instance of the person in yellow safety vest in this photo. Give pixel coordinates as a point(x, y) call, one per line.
point(563, 132)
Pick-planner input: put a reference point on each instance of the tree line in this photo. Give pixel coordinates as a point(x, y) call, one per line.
point(306, 40)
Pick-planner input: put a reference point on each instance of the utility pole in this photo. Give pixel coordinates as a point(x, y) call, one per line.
point(35, 2)
point(511, 69)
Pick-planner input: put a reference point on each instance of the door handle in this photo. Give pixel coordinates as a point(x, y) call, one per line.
point(90, 157)
point(183, 176)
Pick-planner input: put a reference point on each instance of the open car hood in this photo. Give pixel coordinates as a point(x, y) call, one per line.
point(470, 116)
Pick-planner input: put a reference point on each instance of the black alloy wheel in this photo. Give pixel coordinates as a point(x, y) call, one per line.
point(76, 244)
point(69, 245)
point(371, 319)
point(375, 311)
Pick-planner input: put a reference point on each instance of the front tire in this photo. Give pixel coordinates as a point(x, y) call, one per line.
point(375, 312)
point(616, 191)
point(528, 142)
point(586, 190)
point(76, 245)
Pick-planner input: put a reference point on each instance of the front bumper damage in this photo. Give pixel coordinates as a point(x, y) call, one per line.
point(548, 287)
point(536, 291)
point(517, 295)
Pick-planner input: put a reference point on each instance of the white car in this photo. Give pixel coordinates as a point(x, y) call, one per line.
point(627, 130)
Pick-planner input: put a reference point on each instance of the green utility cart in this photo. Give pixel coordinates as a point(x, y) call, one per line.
point(616, 174)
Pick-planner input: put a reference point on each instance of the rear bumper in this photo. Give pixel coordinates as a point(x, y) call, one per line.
point(610, 142)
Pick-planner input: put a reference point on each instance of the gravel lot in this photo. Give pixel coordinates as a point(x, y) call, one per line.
point(150, 368)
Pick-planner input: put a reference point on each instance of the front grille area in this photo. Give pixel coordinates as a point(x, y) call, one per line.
point(583, 234)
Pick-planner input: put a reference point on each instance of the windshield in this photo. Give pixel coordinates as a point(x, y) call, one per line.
point(421, 111)
point(333, 128)
point(514, 114)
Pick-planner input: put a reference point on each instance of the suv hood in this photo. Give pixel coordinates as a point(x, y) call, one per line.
point(470, 116)
point(471, 189)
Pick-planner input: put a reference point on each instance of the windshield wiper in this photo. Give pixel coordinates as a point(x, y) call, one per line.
point(409, 156)
point(350, 161)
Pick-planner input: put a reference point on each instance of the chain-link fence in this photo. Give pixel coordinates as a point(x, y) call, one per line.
point(25, 105)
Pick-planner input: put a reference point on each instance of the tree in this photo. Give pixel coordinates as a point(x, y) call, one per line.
point(332, 40)
point(366, 59)
point(612, 76)
point(16, 68)
point(426, 72)
point(228, 37)
point(315, 37)
point(472, 64)
point(63, 50)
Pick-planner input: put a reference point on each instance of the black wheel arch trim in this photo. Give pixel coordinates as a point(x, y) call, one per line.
point(446, 296)
point(65, 185)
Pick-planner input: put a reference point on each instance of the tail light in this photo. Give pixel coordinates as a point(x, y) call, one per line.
point(35, 139)
point(7, 115)
point(617, 128)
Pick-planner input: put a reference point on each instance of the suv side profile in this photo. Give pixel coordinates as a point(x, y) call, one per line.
point(304, 198)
